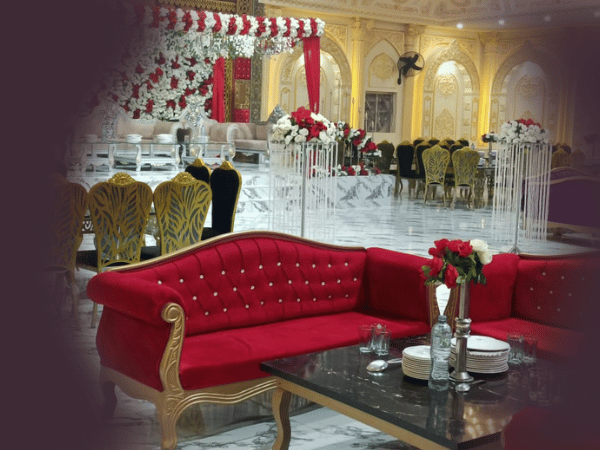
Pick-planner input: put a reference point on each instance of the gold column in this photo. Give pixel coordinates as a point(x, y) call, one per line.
point(489, 42)
point(358, 59)
point(412, 104)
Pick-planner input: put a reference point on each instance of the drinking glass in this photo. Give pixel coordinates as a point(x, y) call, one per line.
point(365, 338)
point(529, 348)
point(381, 340)
point(515, 355)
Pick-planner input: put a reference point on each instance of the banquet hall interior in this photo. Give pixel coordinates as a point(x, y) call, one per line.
point(477, 65)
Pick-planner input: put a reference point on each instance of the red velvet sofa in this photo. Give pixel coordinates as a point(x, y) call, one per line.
point(550, 297)
point(193, 326)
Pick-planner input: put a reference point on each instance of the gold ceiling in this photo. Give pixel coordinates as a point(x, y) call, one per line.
point(473, 14)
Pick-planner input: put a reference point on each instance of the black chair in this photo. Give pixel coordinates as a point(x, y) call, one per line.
point(464, 142)
point(387, 154)
point(225, 183)
point(418, 141)
point(434, 141)
point(405, 152)
point(199, 170)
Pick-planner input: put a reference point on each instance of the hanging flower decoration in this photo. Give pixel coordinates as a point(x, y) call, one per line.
point(489, 137)
point(457, 261)
point(522, 130)
point(172, 53)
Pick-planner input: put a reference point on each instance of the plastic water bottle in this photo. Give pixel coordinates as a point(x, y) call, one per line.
point(441, 335)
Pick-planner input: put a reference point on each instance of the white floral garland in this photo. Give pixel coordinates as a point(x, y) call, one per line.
point(174, 55)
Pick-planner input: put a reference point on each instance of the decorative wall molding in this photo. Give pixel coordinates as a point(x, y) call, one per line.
point(453, 52)
point(339, 34)
point(382, 67)
point(395, 38)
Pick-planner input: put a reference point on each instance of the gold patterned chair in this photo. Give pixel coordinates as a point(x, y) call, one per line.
point(119, 209)
point(69, 204)
point(578, 160)
point(226, 184)
point(465, 162)
point(181, 206)
point(435, 162)
point(560, 158)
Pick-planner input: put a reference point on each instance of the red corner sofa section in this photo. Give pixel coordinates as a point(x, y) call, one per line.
point(549, 297)
point(194, 326)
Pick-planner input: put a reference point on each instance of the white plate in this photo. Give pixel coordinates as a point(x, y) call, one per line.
point(484, 344)
point(418, 352)
point(165, 138)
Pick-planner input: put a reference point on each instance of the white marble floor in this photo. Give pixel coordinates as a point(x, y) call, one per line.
point(400, 224)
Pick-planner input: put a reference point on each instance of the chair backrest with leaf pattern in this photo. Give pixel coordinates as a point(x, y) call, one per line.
point(465, 162)
point(435, 160)
point(69, 204)
point(119, 208)
point(181, 206)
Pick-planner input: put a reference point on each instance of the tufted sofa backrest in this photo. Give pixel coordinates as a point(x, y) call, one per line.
point(558, 292)
point(242, 280)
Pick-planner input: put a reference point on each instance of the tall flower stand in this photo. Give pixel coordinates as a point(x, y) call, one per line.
point(521, 191)
point(302, 189)
point(459, 375)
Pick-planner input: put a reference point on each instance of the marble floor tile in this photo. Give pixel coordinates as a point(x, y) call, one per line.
point(361, 219)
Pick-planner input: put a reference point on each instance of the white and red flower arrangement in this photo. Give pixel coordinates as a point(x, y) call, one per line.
point(303, 125)
point(457, 261)
point(173, 56)
point(522, 130)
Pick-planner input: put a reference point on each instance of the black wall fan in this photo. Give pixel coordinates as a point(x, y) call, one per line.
point(409, 64)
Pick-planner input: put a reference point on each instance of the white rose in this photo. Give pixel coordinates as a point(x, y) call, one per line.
point(479, 245)
point(485, 257)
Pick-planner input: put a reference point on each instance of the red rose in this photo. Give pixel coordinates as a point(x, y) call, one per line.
point(435, 266)
point(450, 276)
point(136, 114)
point(301, 114)
point(190, 75)
point(440, 248)
point(139, 69)
point(454, 245)
point(174, 83)
point(149, 106)
point(465, 249)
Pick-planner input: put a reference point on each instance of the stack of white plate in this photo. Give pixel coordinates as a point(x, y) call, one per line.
point(484, 355)
point(165, 138)
point(134, 138)
point(416, 361)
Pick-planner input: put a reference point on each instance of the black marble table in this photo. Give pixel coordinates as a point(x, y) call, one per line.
point(398, 405)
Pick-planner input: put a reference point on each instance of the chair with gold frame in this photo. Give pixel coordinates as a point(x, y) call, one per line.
point(119, 209)
point(181, 206)
point(435, 161)
point(226, 184)
point(199, 170)
point(465, 162)
point(69, 204)
point(560, 158)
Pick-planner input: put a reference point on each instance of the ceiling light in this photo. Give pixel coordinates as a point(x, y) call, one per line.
point(547, 18)
point(501, 22)
point(459, 25)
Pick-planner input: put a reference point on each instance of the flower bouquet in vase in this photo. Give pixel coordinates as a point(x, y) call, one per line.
point(456, 264)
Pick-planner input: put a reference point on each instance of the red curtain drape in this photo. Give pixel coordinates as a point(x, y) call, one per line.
point(312, 65)
point(218, 100)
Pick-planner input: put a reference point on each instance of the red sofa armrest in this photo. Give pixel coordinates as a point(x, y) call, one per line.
point(133, 296)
